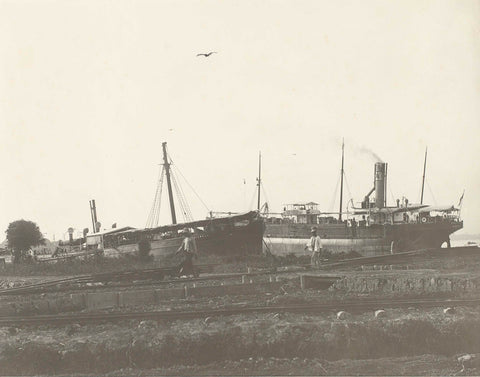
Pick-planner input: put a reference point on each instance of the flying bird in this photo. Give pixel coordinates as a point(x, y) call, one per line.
point(208, 54)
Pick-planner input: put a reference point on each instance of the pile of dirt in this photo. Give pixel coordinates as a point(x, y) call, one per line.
point(20, 281)
point(456, 262)
point(407, 282)
point(427, 365)
point(148, 344)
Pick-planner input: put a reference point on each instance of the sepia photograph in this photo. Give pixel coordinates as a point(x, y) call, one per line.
point(239, 188)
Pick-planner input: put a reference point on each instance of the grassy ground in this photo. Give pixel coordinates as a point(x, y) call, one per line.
point(428, 365)
point(94, 264)
point(460, 263)
point(300, 344)
point(99, 264)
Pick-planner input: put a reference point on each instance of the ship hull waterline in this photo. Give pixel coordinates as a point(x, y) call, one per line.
point(239, 242)
point(282, 240)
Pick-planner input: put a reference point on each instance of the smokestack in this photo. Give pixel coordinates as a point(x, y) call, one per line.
point(93, 212)
point(70, 234)
point(380, 176)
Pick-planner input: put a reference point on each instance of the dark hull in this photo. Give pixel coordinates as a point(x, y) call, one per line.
point(283, 239)
point(241, 241)
point(238, 241)
point(406, 237)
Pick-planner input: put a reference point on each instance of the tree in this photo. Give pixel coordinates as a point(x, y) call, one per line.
point(21, 236)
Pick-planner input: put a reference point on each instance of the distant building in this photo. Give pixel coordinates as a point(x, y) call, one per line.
point(96, 239)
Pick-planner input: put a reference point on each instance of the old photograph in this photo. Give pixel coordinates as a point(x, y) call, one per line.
point(239, 188)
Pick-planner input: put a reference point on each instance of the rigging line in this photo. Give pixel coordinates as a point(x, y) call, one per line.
point(183, 205)
point(179, 200)
point(431, 192)
point(189, 185)
point(186, 213)
point(180, 204)
point(152, 209)
point(156, 199)
point(392, 196)
point(157, 215)
point(266, 198)
point(187, 207)
point(182, 193)
point(251, 201)
point(348, 187)
point(151, 219)
point(264, 192)
point(159, 200)
point(332, 202)
point(184, 199)
point(420, 194)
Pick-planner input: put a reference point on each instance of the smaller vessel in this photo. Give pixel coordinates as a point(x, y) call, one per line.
point(237, 234)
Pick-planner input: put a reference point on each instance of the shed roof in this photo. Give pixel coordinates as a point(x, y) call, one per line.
point(301, 204)
point(109, 231)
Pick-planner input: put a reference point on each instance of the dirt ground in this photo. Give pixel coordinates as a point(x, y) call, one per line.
point(275, 343)
point(406, 341)
point(431, 365)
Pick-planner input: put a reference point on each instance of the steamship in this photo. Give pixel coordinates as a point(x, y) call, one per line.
point(370, 229)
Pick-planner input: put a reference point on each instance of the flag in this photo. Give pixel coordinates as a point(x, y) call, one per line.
point(461, 198)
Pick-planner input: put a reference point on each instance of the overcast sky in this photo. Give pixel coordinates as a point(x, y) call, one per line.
point(90, 89)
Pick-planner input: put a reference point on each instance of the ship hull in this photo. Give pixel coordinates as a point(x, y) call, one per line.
point(283, 246)
point(245, 240)
point(283, 239)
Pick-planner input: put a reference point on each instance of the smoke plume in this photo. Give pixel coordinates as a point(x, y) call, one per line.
point(371, 153)
point(360, 149)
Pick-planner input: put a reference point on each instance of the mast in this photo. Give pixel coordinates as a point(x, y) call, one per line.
point(341, 184)
point(423, 179)
point(166, 165)
point(385, 186)
point(92, 214)
point(259, 179)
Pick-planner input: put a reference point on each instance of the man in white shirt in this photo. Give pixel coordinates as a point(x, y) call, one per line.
point(315, 245)
point(189, 251)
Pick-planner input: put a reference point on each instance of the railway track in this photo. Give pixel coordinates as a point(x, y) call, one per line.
point(123, 276)
point(352, 306)
point(155, 276)
point(136, 278)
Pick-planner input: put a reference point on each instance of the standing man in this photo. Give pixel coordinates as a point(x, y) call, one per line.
point(354, 228)
point(189, 251)
point(315, 245)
